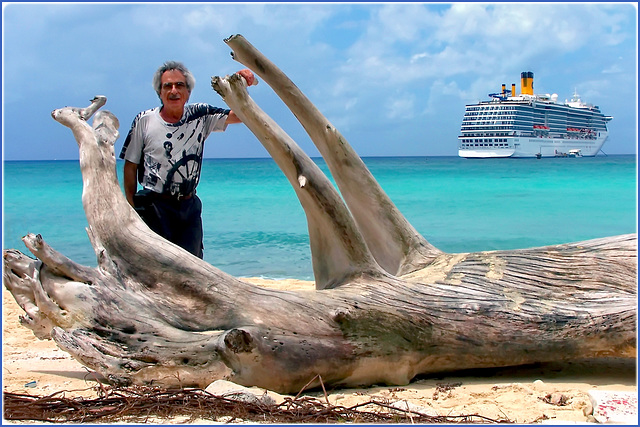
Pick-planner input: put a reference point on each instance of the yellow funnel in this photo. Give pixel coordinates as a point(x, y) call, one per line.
point(526, 82)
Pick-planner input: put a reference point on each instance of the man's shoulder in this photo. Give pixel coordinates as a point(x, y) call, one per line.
point(199, 109)
point(147, 113)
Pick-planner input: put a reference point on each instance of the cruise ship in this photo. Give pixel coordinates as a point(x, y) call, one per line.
point(529, 125)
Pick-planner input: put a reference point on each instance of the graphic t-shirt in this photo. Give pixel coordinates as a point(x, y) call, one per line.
point(172, 152)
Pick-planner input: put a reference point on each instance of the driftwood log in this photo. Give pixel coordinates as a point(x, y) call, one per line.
point(388, 305)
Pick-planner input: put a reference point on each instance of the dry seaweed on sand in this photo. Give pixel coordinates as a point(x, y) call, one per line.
point(147, 404)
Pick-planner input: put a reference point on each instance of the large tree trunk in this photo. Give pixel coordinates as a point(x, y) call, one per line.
point(389, 305)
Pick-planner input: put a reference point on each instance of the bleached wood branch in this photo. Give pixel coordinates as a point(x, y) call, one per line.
point(151, 313)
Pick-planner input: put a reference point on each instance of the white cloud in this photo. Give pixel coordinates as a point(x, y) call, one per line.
point(612, 69)
point(417, 57)
point(401, 106)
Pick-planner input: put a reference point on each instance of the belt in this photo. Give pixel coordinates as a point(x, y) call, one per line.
point(177, 197)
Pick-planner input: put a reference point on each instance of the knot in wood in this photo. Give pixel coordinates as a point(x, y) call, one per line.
point(239, 341)
point(341, 314)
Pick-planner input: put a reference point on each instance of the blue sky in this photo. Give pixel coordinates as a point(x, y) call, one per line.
point(393, 78)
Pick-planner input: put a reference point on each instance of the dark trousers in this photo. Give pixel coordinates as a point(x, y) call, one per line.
point(178, 221)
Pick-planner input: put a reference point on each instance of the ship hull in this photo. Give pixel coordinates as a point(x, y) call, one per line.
point(524, 147)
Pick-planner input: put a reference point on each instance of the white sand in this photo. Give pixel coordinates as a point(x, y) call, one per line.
point(517, 394)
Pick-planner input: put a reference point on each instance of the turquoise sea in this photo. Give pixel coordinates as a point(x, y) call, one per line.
point(254, 225)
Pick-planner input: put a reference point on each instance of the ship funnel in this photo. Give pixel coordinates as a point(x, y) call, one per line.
point(513, 89)
point(526, 82)
point(504, 90)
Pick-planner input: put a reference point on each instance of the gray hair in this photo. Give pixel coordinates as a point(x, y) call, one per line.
point(173, 65)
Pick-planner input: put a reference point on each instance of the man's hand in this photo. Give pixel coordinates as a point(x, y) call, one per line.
point(248, 76)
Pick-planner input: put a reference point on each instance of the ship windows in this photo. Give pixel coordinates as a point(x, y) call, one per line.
point(480, 144)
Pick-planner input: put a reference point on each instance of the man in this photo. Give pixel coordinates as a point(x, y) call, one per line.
point(163, 151)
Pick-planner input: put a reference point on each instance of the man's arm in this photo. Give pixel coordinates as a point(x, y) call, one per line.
point(232, 118)
point(130, 180)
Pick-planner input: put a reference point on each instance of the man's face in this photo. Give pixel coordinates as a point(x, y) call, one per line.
point(174, 92)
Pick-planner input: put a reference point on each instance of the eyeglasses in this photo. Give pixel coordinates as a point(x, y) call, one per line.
point(178, 85)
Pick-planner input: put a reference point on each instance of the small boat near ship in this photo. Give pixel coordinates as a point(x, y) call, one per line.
point(529, 125)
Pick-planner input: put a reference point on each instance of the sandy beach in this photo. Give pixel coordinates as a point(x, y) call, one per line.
point(552, 393)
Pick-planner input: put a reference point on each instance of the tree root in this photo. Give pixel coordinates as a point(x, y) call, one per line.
point(150, 405)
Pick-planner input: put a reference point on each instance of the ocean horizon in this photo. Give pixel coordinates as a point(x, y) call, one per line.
point(254, 225)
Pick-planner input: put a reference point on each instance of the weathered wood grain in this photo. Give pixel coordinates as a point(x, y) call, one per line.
point(389, 306)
